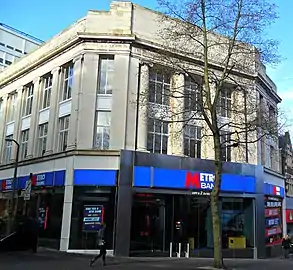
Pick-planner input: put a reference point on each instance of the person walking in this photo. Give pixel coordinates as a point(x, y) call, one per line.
point(286, 242)
point(102, 247)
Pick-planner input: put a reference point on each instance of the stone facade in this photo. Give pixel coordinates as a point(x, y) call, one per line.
point(128, 33)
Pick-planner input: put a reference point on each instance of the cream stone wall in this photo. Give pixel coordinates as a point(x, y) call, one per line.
point(117, 32)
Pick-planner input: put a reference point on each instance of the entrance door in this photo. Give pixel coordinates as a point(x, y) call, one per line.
point(148, 223)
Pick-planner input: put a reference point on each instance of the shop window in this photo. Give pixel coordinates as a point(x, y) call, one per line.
point(273, 218)
point(157, 136)
point(83, 236)
point(192, 141)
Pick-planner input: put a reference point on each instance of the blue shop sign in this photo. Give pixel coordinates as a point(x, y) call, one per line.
point(95, 177)
point(193, 180)
point(45, 179)
point(274, 190)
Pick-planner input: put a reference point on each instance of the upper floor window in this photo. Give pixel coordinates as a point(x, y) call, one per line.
point(106, 75)
point(24, 137)
point(63, 133)
point(12, 107)
point(191, 96)
point(67, 82)
point(157, 136)
point(102, 140)
point(225, 140)
point(192, 141)
point(159, 89)
point(8, 148)
point(28, 100)
point(225, 103)
point(47, 87)
point(42, 139)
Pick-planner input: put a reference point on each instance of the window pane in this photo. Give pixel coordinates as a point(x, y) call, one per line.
point(104, 118)
point(165, 145)
point(157, 144)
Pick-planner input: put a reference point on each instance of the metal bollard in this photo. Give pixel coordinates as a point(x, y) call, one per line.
point(171, 249)
point(187, 251)
point(179, 251)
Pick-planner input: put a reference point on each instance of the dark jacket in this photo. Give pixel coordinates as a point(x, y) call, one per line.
point(286, 243)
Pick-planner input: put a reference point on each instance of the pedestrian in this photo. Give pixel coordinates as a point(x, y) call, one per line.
point(102, 246)
point(286, 242)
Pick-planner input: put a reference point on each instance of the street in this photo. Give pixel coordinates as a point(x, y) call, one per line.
point(46, 260)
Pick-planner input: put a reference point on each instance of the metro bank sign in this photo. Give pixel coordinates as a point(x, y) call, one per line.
point(153, 177)
point(201, 181)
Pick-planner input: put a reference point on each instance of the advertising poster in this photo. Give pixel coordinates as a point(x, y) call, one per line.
point(93, 216)
point(273, 218)
point(43, 217)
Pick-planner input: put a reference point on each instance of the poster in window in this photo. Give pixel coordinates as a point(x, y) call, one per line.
point(93, 216)
point(273, 219)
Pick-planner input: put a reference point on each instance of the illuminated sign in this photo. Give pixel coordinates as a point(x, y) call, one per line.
point(203, 181)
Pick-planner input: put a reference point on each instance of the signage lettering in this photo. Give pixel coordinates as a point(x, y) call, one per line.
point(41, 180)
point(203, 181)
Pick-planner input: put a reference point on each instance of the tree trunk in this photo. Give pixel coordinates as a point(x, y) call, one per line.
point(217, 234)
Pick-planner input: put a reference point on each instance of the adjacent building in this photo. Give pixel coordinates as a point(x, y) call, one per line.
point(73, 104)
point(14, 44)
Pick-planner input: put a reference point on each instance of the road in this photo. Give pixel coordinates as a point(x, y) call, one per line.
point(46, 260)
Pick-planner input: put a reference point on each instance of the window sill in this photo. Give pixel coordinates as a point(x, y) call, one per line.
point(10, 122)
point(104, 95)
point(65, 101)
point(44, 109)
point(26, 116)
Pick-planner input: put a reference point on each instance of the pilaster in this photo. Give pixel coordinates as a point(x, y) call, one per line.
point(175, 141)
point(75, 103)
point(3, 125)
point(54, 110)
point(33, 133)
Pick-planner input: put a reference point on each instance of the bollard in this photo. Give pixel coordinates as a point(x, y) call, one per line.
point(179, 251)
point(171, 249)
point(187, 251)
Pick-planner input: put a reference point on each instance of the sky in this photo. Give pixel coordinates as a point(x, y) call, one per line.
point(46, 20)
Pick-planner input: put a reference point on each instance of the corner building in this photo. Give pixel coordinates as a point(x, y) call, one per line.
point(72, 107)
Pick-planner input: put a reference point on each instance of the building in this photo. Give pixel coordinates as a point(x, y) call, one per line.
point(72, 105)
point(287, 170)
point(14, 44)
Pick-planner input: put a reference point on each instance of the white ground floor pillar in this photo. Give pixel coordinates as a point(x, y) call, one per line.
point(67, 206)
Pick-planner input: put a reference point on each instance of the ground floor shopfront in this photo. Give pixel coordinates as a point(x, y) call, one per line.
point(141, 198)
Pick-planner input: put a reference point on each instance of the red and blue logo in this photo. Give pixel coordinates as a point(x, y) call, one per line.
point(203, 181)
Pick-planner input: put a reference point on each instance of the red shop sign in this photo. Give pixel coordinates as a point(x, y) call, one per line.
point(289, 216)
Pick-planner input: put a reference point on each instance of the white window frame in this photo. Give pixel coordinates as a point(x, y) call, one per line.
point(63, 133)
point(157, 128)
point(8, 149)
point(47, 88)
point(225, 103)
point(100, 140)
point(12, 107)
point(24, 138)
point(191, 96)
point(160, 94)
point(68, 74)
point(226, 151)
point(42, 139)
point(28, 101)
point(108, 61)
point(192, 135)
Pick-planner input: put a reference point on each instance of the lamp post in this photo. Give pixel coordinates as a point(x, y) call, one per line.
point(12, 199)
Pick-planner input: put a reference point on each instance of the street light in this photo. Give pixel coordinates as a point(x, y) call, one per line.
point(12, 202)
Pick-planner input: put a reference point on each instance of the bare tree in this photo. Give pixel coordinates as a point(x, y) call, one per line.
point(219, 47)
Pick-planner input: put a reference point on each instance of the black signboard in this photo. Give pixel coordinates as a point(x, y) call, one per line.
point(93, 216)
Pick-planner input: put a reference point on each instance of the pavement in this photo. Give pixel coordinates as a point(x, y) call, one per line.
point(48, 260)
